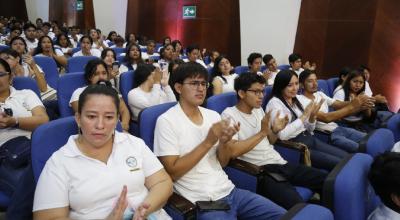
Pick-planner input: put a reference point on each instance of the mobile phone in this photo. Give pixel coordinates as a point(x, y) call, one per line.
point(115, 65)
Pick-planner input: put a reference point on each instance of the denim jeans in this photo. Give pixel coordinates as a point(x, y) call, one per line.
point(244, 205)
point(347, 138)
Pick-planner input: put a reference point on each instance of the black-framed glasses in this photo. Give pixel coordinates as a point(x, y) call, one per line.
point(3, 74)
point(197, 84)
point(256, 91)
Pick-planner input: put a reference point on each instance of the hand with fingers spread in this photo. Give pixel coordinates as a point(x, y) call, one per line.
point(267, 74)
point(164, 78)
point(307, 111)
point(227, 131)
point(141, 212)
point(279, 123)
point(265, 126)
point(119, 209)
point(315, 110)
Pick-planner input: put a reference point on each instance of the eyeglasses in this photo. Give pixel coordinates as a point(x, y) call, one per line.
point(196, 84)
point(3, 74)
point(256, 92)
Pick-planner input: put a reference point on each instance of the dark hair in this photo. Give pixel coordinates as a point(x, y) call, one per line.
point(142, 72)
point(21, 39)
point(111, 33)
point(87, 37)
point(13, 28)
point(91, 68)
point(174, 43)
point(59, 37)
point(150, 41)
point(216, 71)
point(39, 48)
point(343, 72)
point(293, 57)
point(266, 58)
point(12, 53)
point(29, 25)
point(304, 75)
point(192, 47)
point(104, 53)
point(163, 48)
point(346, 86)
point(245, 80)
point(6, 66)
point(165, 38)
point(127, 35)
point(282, 80)
point(384, 176)
point(252, 57)
point(174, 62)
point(46, 24)
point(189, 70)
point(129, 60)
point(364, 67)
point(98, 90)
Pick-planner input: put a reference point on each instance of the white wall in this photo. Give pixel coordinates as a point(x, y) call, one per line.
point(110, 16)
point(268, 26)
point(37, 9)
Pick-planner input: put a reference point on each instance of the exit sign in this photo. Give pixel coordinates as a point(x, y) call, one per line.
point(189, 12)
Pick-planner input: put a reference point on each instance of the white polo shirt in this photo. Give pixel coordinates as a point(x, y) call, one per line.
point(176, 134)
point(91, 188)
point(21, 102)
point(93, 52)
point(324, 108)
point(250, 124)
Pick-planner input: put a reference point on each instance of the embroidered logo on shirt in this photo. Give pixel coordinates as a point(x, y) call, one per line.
point(132, 163)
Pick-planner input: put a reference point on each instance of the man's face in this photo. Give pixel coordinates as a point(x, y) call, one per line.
point(296, 65)
point(30, 33)
point(256, 65)
point(253, 97)
point(194, 55)
point(311, 84)
point(193, 90)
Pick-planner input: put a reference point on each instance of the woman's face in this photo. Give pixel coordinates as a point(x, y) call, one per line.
point(134, 53)
point(97, 120)
point(132, 38)
point(113, 36)
point(356, 84)
point(18, 46)
point(291, 89)
point(5, 79)
point(93, 34)
point(225, 66)
point(178, 48)
point(15, 33)
point(63, 41)
point(168, 52)
point(99, 74)
point(86, 45)
point(12, 61)
point(109, 59)
point(46, 44)
point(167, 40)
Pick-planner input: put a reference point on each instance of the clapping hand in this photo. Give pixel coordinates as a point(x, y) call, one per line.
point(279, 123)
point(118, 212)
point(141, 212)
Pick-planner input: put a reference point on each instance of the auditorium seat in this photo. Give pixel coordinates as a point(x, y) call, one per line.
point(77, 64)
point(21, 82)
point(49, 67)
point(66, 86)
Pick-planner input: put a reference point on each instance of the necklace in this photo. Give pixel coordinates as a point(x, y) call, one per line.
point(247, 121)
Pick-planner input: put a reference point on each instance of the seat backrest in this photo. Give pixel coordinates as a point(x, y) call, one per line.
point(77, 64)
point(3, 47)
point(220, 102)
point(284, 67)
point(21, 82)
point(323, 87)
point(332, 84)
point(303, 211)
point(49, 66)
point(394, 125)
point(147, 121)
point(74, 50)
point(379, 141)
point(118, 50)
point(120, 58)
point(347, 191)
point(126, 84)
point(66, 86)
point(241, 69)
point(267, 96)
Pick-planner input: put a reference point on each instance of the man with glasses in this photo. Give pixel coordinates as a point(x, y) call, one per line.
point(253, 143)
point(30, 36)
point(191, 143)
point(272, 68)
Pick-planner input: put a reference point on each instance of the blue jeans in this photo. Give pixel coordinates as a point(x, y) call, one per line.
point(347, 138)
point(244, 205)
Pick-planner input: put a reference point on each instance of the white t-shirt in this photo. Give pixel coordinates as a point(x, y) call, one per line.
point(31, 45)
point(338, 88)
point(176, 134)
point(145, 55)
point(383, 212)
point(368, 90)
point(91, 188)
point(93, 52)
point(297, 71)
point(250, 124)
point(227, 86)
point(340, 95)
point(197, 61)
point(139, 99)
point(271, 80)
point(56, 50)
point(21, 102)
point(324, 108)
point(75, 95)
point(295, 126)
point(123, 68)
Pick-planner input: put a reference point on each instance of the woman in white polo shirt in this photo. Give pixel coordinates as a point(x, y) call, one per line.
point(102, 173)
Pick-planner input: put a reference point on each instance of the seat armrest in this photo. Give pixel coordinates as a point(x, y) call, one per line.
point(302, 148)
point(246, 167)
point(322, 131)
point(180, 203)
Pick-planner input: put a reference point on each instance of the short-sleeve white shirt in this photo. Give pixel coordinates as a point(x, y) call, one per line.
point(76, 94)
point(93, 52)
point(227, 86)
point(91, 188)
point(250, 124)
point(176, 134)
point(21, 102)
point(324, 108)
point(383, 212)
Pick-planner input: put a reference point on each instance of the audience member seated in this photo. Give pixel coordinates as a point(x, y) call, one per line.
point(254, 61)
point(272, 68)
point(102, 173)
point(14, 32)
point(64, 44)
point(193, 54)
point(133, 57)
point(97, 38)
point(109, 57)
point(295, 62)
point(385, 179)
point(253, 143)
point(21, 112)
point(30, 36)
point(223, 76)
point(343, 137)
point(151, 47)
point(119, 42)
point(152, 88)
point(74, 36)
point(302, 120)
point(191, 143)
point(86, 48)
point(111, 37)
point(166, 56)
point(178, 48)
point(343, 73)
point(95, 71)
point(166, 40)
point(46, 48)
point(130, 38)
point(46, 28)
point(213, 55)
